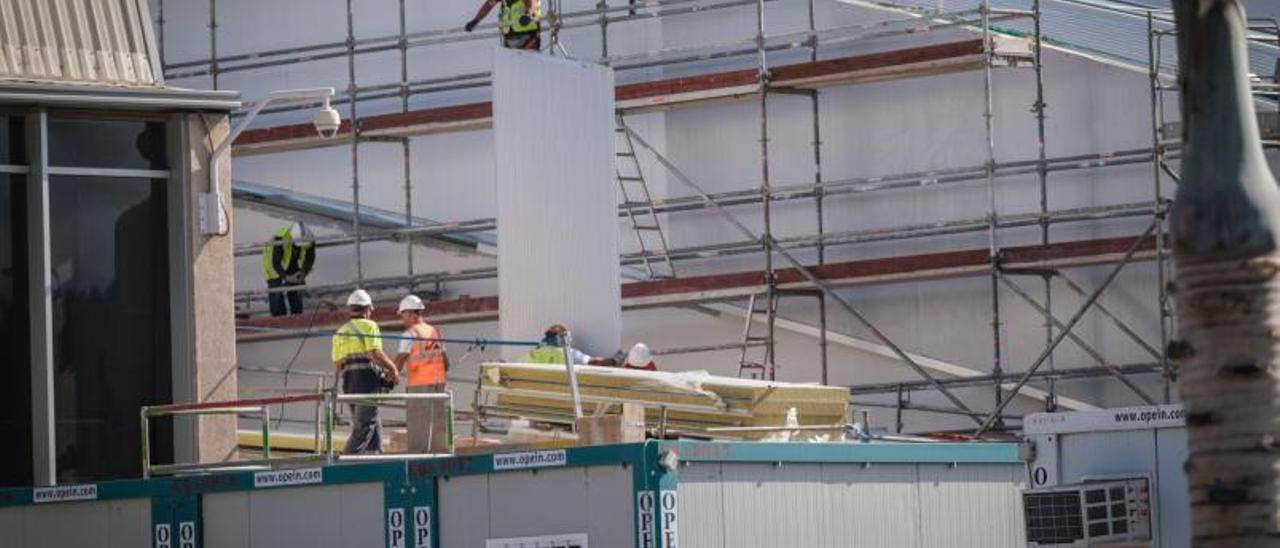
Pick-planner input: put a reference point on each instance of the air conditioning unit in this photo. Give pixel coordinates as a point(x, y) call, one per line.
point(1093, 513)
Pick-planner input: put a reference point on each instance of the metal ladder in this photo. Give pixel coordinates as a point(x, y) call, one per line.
point(638, 204)
point(757, 369)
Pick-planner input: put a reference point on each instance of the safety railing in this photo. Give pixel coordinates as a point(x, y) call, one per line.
point(326, 402)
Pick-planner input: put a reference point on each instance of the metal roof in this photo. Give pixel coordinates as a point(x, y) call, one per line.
point(106, 42)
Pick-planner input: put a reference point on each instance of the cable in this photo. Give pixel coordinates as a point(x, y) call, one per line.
point(288, 368)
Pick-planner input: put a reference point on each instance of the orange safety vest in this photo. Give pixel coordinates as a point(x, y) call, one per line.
point(426, 357)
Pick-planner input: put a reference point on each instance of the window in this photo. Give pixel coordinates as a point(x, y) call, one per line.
point(15, 365)
point(108, 239)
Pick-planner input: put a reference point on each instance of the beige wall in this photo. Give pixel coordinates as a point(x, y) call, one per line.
point(213, 283)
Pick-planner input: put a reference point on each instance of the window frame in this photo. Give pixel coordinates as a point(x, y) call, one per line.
point(180, 254)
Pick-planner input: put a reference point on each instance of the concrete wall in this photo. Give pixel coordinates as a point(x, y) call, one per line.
point(213, 352)
point(867, 130)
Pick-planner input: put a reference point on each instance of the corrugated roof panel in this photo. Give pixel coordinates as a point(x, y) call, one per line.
point(77, 41)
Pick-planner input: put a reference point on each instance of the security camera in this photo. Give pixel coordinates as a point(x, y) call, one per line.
point(327, 121)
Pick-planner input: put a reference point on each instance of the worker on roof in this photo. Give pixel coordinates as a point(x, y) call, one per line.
point(549, 351)
point(364, 369)
point(640, 357)
point(422, 357)
point(518, 20)
point(286, 261)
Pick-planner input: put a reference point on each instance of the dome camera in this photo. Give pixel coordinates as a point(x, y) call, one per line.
point(327, 121)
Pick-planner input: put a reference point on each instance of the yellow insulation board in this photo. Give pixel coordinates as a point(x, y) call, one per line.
point(693, 399)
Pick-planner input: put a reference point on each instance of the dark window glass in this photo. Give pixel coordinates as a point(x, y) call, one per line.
point(15, 366)
point(120, 144)
point(13, 141)
point(110, 322)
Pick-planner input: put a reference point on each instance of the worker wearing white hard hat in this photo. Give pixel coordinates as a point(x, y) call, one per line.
point(286, 261)
point(364, 369)
point(423, 360)
point(640, 357)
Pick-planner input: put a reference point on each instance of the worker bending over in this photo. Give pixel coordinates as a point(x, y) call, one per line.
point(286, 262)
point(549, 351)
point(364, 369)
point(423, 358)
point(518, 20)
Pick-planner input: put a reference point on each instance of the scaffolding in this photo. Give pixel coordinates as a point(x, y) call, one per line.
point(981, 20)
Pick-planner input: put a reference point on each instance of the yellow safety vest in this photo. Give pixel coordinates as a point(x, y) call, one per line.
point(544, 354)
point(285, 243)
point(355, 339)
point(513, 10)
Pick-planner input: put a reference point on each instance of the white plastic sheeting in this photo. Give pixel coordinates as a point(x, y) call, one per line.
point(558, 240)
point(81, 41)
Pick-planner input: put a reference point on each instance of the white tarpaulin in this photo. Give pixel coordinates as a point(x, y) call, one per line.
point(557, 200)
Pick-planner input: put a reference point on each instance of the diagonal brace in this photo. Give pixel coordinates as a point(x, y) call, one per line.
point(1079, 342)
point(1066, 330)
point(1123, 327)
point(804, 271)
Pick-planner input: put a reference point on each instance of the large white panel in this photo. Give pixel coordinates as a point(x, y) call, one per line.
point(1173, 507)
point(701, 491)
point(110, 524)
point(557, 199)
point(971, 506)
point(535, 503)
point(464, 510)
point(325, 516)
point(766, 505)
point(876, 505)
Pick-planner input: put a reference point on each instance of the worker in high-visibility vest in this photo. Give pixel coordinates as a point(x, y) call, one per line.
point(518, 20)
point(549, 351)
point(364, 369)
point(422, 358)
point(286, 262)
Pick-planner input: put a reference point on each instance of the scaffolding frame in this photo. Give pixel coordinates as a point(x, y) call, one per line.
point(818, 190)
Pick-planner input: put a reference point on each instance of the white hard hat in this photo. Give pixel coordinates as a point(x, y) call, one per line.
point(359, 297)
point(299, 231)
point(411, 302)
point(639, 356)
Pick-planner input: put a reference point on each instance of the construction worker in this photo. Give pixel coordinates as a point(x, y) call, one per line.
point(286, 262)
point(364, 369)
point(518, 20)
point(640, 357)
point(549, 351)
point(422, 357)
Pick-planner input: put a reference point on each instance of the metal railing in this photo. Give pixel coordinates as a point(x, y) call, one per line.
point(326, 403)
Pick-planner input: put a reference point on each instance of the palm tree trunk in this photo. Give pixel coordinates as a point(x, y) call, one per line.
point(1227, 295)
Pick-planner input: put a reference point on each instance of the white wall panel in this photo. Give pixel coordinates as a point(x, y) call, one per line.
point(317, 516)
point(971, 506)
point(558, 239)
point(109, 524)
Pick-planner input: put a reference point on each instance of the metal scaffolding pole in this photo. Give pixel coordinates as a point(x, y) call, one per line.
point(1042, 175)
point(213, 42)
point(807, 274)
point(993, 249)
point(355, 138)
point(1065, 330)
point(766, 240)
point(818, 194)
point(405, 143)
point(1158, 165)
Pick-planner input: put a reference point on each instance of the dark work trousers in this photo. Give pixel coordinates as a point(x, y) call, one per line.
point(278, 300)
point(366, 428)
